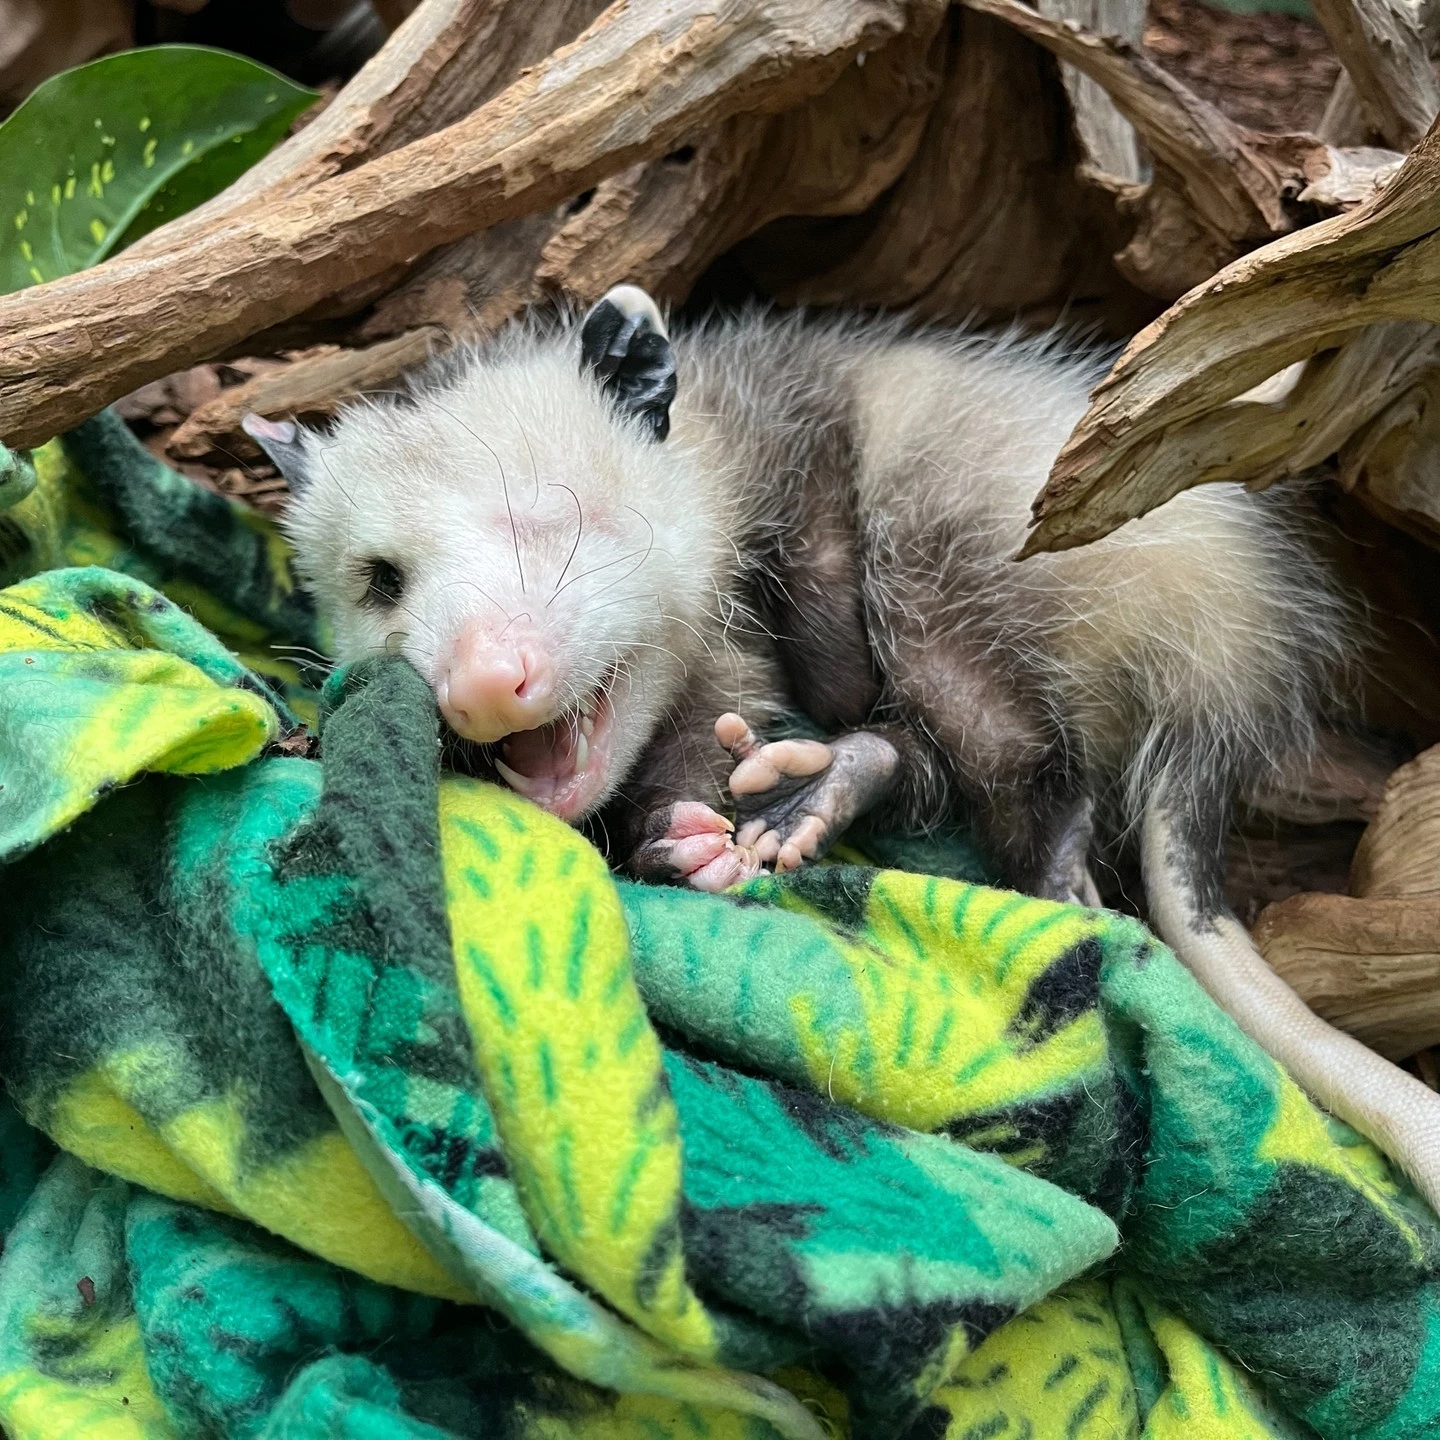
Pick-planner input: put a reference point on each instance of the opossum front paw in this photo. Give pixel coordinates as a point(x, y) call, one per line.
point(691, 844)
point(794, 798)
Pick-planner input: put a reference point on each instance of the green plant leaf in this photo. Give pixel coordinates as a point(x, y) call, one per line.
point(99, 155)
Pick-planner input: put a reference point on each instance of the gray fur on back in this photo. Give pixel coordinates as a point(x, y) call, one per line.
point(1206, 636)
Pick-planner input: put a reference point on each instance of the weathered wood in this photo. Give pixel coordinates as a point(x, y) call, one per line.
point(1219, 188)
point(447, 59)
point(1399, 854)
point(1343, 178)
point(1368, 961)
point(1233, 184)
point(1343, 122)
point(470, 287)
point(658, 224)
point(1106, 136)
point(1382, 45)
point(1392, 464)
point(1001, 225)
point(75, 344)
point(1367, 966)
point(482, 279)
point(1338, 393)
point(661, 224)
point(1299, 296)
point(1344, 779)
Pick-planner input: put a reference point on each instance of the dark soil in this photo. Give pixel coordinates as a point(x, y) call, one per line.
point(1271, 72)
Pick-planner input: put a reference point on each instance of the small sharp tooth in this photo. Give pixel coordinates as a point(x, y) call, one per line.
point(522, 784)
point(582, 752)
point(587, 724)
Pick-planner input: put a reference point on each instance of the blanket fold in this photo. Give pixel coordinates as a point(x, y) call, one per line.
point(383, 1108)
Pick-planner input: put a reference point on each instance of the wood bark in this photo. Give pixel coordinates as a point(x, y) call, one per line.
point(1368, 961)
point(1228, 180)
point(75, 344)
point(484, 278)
point(446, 60)
point(1106, 136)
point(1382, 45)
point(1344, 122)
point(1302, 295)
point(660, 225)
point(1392, 463)
point(1399, 854)
point(1002, 225)
point(1219, 188)
point(1368, 967)
point(452, 57)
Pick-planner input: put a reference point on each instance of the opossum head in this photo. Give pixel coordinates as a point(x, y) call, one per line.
point(520, 528)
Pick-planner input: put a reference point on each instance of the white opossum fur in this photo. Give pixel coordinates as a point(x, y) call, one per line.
point(831, 523)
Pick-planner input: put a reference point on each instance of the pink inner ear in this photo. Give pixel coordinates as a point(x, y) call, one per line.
point(259, 428)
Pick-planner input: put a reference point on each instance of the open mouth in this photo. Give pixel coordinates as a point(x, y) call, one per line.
point(563, 766)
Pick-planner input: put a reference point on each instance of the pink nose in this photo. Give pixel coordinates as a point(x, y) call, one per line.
point(491, 688)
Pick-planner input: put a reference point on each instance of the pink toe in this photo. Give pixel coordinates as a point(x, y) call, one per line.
point(720, 874)
point(690, 817)
point(696, 851)
point(753, 776)
point(731, 868)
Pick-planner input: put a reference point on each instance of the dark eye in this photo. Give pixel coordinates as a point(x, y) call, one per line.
point(383, 582)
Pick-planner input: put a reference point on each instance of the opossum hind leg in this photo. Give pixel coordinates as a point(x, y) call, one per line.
point(794, 798)
point(1004, 748)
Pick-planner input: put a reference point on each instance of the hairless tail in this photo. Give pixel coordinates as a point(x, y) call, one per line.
point(1181, 839)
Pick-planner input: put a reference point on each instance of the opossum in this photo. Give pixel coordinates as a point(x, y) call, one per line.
point(621, 561)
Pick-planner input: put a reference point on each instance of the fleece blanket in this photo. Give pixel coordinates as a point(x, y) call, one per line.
point(343, 1097)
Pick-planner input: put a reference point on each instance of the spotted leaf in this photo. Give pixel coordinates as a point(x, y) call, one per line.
point(101, 154)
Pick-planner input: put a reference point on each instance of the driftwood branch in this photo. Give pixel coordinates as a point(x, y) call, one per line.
point(1302, 295)
point(1106, 136)
point(1228, 181)
point(1382, 45)
point(484, 278)
point(1219, 188)
point(452, 57)
point(314, 385)
point(660, 225)
point(1368, 961)
point(75, 344)
point(1368, 967)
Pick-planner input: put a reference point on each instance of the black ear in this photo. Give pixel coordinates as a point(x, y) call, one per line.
point(623, 343)
point(284, 442)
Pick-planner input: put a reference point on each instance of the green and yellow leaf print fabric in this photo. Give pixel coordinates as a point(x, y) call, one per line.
point(347, 1098)
point(97, 497)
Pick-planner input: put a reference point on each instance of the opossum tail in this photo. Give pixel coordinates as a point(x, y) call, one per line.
point(1181, 839)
